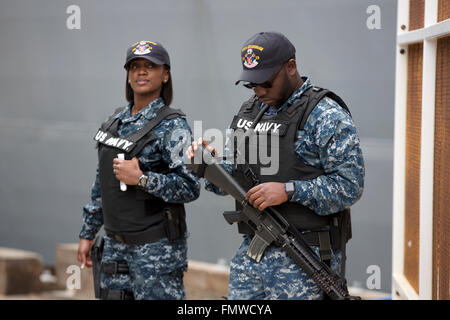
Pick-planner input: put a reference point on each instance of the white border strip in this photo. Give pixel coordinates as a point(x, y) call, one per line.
point(427, 170)
point(398, 230)
point(427, 157)
point(402, 288)
point(430, 32)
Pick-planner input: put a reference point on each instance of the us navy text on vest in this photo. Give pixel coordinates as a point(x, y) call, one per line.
point(267, 126)
point(108, 139)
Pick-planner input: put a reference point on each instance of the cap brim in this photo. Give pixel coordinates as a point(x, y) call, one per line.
point(256, 76)
point(149, 58)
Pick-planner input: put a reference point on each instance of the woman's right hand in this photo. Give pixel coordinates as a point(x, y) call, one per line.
point(194, 146)
point(84, 252)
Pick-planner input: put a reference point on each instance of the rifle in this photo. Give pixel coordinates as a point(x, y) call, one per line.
point(270, 227)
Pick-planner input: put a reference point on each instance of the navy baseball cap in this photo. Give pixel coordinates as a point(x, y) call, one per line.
point(149, 50)
point(262, 54)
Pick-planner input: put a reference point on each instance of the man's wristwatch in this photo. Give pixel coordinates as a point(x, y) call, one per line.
point(142, 182)
point(289, 187)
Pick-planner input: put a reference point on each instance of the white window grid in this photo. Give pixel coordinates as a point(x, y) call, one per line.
point(401, 288)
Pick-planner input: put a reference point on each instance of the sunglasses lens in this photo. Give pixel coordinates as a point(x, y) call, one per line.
point(265, 85)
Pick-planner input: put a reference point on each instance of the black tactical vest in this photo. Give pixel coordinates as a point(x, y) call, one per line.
point(135, 214)
point(285, 125)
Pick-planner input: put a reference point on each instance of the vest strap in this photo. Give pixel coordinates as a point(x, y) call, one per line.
point(163, 114)
point(110, 128)
point(248, 107)
point(325, 246)
point(109, 122)
point(292, 109)
point(314, 99)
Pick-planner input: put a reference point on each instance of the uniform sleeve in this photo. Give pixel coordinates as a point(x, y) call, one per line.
point(330, 141)
point(179, 185)
point(92, 212)
point(212, 187)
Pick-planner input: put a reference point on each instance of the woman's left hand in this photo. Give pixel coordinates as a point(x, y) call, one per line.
point(127, 171)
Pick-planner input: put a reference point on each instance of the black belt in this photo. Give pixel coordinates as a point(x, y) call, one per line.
point(113, 267)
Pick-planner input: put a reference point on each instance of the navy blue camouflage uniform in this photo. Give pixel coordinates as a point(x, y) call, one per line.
point(329, 141)
point(155, 269)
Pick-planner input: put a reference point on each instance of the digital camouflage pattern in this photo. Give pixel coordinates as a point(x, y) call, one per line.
point(275, 277)
point(154, 264)
point(329, 140)
point(155, 269)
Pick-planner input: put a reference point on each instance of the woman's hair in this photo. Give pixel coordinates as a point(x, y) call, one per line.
point(166, 89)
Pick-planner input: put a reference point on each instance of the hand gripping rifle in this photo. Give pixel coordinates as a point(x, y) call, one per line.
point(270, 227)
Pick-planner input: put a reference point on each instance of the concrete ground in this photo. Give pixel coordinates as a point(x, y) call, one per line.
point(22, 277)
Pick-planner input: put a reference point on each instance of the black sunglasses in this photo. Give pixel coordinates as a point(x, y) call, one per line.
point(268, 84)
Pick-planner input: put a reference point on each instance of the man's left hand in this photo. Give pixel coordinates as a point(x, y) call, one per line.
point(267, 194)
point(127, 171)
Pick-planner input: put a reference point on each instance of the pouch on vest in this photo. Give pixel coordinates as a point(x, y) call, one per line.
point(175, 222)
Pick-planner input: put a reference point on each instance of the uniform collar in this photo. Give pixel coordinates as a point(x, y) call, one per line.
point(148, 112)
point(294, 96)
point(298, 93)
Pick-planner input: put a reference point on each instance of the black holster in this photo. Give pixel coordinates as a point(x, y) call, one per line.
point(96, 257)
